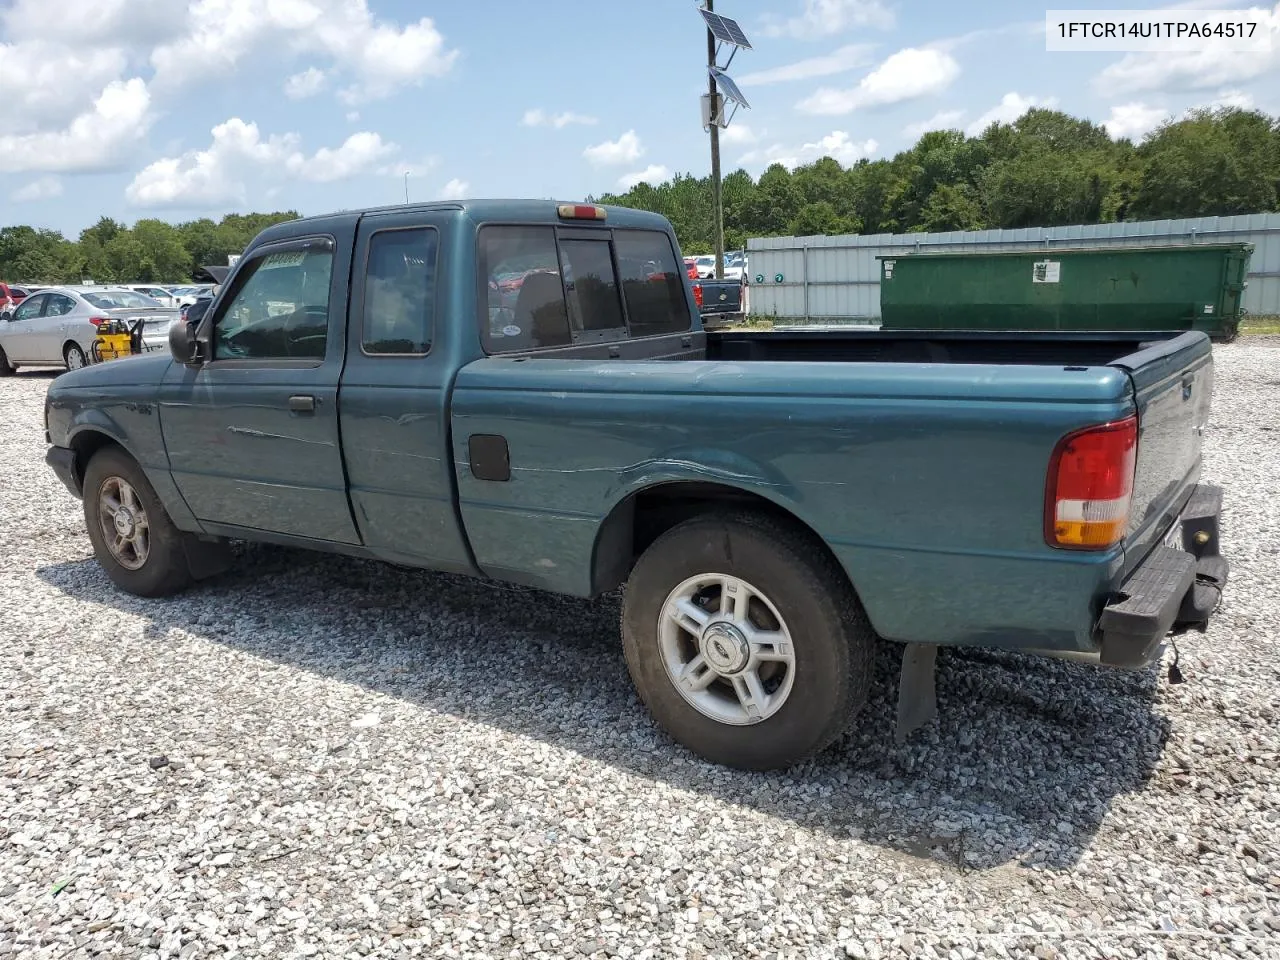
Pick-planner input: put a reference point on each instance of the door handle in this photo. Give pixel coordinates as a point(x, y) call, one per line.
point(1187, 383)
point(302, 404)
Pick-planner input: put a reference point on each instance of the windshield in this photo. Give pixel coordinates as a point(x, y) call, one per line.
point(111, 299)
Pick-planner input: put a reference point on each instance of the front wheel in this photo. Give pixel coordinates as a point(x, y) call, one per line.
point(6, 368)
point(746, 641)
point(133, 538)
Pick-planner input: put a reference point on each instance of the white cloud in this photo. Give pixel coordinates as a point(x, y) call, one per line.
point(942, 120)
point(838, 145)
point(838, 61)
point(305, 84)
point(414, 169)
point(825, 18)
point(907, 75)
point(1193, 69)
point(358, 153)
point(1233, 98)
point(626, 149)
point(96, 140)
point(45, 84)
point(216, 175)
point(738, 134)
point(653, 174)
point(455, 189)
point(46, 188)
point(353, 116)
point(1134, 120)
point(1009, 109)
point(378, 57)
point(131, 24)
point(537, 117)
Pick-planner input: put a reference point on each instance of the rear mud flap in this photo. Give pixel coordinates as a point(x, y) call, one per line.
point(917, 689)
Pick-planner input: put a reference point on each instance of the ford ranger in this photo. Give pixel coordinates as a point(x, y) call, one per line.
point(522, 391)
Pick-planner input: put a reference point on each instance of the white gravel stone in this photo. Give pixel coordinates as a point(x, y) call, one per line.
point(511, 798)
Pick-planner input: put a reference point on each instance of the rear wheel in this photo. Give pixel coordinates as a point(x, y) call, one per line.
point(73, 356)
point(133, 538)
point(746, 641)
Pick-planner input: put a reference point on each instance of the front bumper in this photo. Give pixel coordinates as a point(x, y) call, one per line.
point(1177, 586)
point(63, 462)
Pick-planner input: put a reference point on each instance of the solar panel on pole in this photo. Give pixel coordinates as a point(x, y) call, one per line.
point(726, 86)
point(725, 30)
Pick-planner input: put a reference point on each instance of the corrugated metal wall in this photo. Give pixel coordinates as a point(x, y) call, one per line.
point(829, 278)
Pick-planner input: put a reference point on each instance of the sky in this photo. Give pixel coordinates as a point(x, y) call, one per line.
point(179, 109)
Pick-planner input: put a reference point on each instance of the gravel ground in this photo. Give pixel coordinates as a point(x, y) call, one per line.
point(321, 757)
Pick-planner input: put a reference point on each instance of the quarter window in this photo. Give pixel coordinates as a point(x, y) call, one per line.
point(652, 282)
point(400, 290)
point(523, 290)
point(280, 309)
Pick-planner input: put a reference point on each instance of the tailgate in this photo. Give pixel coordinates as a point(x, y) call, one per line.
point(720, 297)
point(1172, 383)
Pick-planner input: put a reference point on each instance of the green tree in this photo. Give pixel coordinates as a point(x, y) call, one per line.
point(820, 218)
point(1214, 163)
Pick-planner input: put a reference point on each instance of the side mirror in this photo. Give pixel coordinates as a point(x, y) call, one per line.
point(183, 343)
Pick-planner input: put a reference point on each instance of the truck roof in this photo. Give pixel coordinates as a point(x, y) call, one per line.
point(480, 211)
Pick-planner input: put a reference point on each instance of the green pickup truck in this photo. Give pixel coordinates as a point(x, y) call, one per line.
point(522, 391)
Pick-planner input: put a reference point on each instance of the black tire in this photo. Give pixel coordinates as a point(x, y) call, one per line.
point(833, 640)
point(165, 570)
point(6, 368)
point(73, 350)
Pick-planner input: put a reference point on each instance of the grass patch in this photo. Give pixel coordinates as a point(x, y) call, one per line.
point(1261, 325)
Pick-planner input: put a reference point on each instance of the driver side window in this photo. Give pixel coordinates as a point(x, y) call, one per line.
point(279, 309)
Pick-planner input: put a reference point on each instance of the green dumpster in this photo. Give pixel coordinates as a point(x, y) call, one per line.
point(1153, 288)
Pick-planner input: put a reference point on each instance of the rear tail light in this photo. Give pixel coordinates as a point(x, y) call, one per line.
point(1090, 486)
point(98, 321)
point(697, 294)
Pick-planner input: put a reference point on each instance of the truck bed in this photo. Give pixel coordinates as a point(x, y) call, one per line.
point(929, 346)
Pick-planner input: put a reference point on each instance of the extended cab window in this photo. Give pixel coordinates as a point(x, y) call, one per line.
point(279, 310)
point(524, 295)
point(652, 282)
point(400, 292)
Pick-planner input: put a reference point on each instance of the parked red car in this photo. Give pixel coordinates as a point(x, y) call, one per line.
point(10, 297)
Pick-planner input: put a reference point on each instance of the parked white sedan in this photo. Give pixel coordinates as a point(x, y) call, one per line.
point(162, 295)
point(57, 326)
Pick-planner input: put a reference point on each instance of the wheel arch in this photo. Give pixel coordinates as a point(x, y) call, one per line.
point(87, 441)
point(643, 515)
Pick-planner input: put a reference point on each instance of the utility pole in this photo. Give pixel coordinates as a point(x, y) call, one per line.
point(715, 150)
point(406, 186)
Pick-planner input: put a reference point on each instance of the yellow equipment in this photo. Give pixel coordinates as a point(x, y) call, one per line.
point(116, 339)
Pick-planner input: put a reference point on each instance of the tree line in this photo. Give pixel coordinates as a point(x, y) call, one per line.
point(1044, 169)
point(151, 251)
